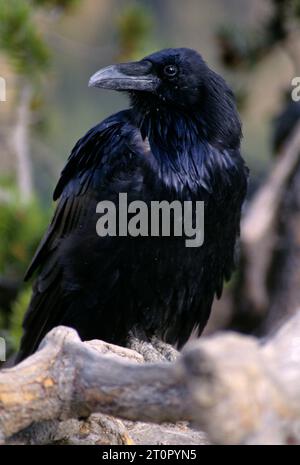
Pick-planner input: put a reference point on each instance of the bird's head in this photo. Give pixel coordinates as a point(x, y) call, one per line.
point(176, 78)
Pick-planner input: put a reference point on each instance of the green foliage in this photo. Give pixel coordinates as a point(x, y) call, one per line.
point(2, 321)
point(12, 332)
point(21, 228)
point(133, 25)
point(20, 37)
point(297, 8)
point(65, 4)
point(18, 310)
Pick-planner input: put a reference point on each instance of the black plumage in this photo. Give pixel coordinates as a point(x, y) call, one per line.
point(180, 140)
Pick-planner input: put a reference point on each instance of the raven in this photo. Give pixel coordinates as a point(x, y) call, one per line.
point(179, 140)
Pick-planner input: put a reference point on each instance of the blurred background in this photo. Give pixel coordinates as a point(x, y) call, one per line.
point(49, 49)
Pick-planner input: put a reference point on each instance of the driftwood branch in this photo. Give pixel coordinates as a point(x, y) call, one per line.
point(233, 387)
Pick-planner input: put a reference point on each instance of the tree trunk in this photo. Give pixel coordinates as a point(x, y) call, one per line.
point(21, 142)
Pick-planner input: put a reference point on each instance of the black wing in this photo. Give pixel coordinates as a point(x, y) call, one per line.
point(94, 156)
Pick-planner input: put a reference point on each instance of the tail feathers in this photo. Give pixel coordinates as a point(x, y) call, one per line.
point(44, 313)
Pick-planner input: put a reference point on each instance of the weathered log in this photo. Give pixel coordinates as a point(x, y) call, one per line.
point(233, 387)
point(70, 379)
point(103, 429)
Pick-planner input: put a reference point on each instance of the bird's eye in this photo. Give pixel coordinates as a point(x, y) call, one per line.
point(170, 70)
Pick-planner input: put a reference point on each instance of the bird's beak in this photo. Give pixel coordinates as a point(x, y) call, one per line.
point(126, 76)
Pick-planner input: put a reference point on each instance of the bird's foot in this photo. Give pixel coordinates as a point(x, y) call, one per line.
point(153, 350)
point(167, 351)
point(146, 349)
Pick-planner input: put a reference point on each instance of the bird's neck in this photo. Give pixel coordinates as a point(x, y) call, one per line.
point(178, 143)
point(156, 119)
point(214, 120)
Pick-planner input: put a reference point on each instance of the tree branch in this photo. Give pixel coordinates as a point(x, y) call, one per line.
point(236, 389)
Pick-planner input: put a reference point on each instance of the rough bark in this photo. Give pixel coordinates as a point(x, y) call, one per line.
point(103, 429)
point(233, 387)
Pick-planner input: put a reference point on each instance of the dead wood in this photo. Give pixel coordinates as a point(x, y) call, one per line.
point(233, 387)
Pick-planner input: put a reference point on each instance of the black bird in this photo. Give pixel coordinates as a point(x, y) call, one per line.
point(179, 140)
